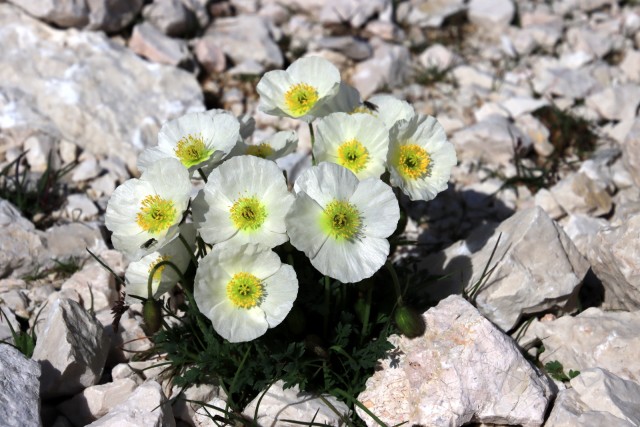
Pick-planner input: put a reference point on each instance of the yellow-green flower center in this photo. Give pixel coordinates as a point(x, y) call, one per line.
point(191, 150)
point(341, 220)
point(245, 290)
point(263, 150)
point(158, 274)
point(353, 155)
point(413, 161)
point(156, 214)
point(248, 213)
point(300, 99)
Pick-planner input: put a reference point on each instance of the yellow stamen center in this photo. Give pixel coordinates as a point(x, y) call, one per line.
point(341, 220)
point(156, 214)
point(158, 274)
point(263, 150)
point(245, 290)
point(413, 161)
point(191, 150)
point(300, 99)
point(248, 213)
point(353, 155)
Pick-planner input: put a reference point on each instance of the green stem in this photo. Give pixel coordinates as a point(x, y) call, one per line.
point(313, 141)
point(153, 272)
point(395, 280)
point(202, 175)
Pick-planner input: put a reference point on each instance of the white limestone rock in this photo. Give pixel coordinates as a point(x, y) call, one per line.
point(95, 284)
point(615, 259)
point(617, 102)
point(429, 14)
point(462, 369)
point(149, 42)
point(583, 229)
point(19, 389)
point(356, 12)
point(94, 402)
point(184, 407)
point(389, 67)
point(71, 348)
point(631, 151)
point(597, 398)
point(112, 16)
point(147, 406)
point(493, 15)
point(97, 94)
point(279, 404)
point(579, 194)
point(438, 57)
point(593, 339)
point(172, 17)
point(247, 37)
point(79, 207)
point(64, 13)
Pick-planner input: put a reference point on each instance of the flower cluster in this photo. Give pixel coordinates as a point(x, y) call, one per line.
point(340, 213)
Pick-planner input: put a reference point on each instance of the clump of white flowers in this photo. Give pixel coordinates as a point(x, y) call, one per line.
point(340, 212)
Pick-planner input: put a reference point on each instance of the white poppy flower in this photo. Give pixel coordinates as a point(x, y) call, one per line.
point(301, 90)
point(165, 277)
point(359, 142)
point(390, 109)
point(244, 290)
point(420, 157)
point(198, 140)
point(244, 201)
point(143, 214)
point(274, 147)
point(342, 223)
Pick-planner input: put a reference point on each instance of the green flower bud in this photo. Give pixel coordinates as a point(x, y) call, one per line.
point(152, 315)
point(410, 322)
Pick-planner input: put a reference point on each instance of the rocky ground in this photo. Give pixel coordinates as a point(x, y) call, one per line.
point(540, 99)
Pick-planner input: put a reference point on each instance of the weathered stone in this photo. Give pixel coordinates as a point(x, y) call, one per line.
point(493, 15)
point(356, 12)
point(112, 16)
point(438, 57)
point(79, 207)
point(278, 404)
point(71, 349)
point(631, 151)
point(351, 47)
point(107, 100)
point(617, 102)
point(593, 339)
point(63, 242)
point(247, 37)
point(19, 389)
point(171, 17)
point(388, 67)
point(95, 284)
point(615, 259)
point(630, 65)
point(87, 168)
point(585, 39)
point(430, 13)
point(94, 402)
point(185, 407)
point(579, 194)
point(151, 43)
point(210, 55)
point(64, 13)
point(147, 406)
point(583, 229)
point(462, 369)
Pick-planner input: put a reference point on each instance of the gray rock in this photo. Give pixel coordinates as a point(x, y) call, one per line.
point(493, 15)
point(278, 404)
point(615, 259)
point(64, 13)
point(71, 349)
point(94, 402)
point(7, 322)
point(579, 194)
point(200, 8)
point(146, 40)
point(631, 151)
point(588, 40)
point(71, 241)
point(597, 397)
point(490, 140)
point(19, 389)
point(247, 37)
point(147, 406)
point(171, 17)
point(582, 230)
point(593, 339)
point(87, 168)
point(184, 407)
point(355, 12)
point(21, 246)
point(112, 16)
point(356, 49)
point(389, 67)
point(565, 82)
point(617, 102)
point(107, 100)
point(210, 55)
point(462, 369)
point(630, 65)
point(79, 207)
point(438, 57)
point(429, 13)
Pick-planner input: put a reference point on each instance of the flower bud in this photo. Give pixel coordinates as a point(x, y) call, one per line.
point(152, 315)
point(409, 321)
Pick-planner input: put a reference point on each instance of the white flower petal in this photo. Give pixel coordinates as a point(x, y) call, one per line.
point(317, 72)
point(271, 88)
point(303, 225)
point(391, 109)
point(327, 182)
point(351, 261)
point(281, 291)
point(378, 207)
